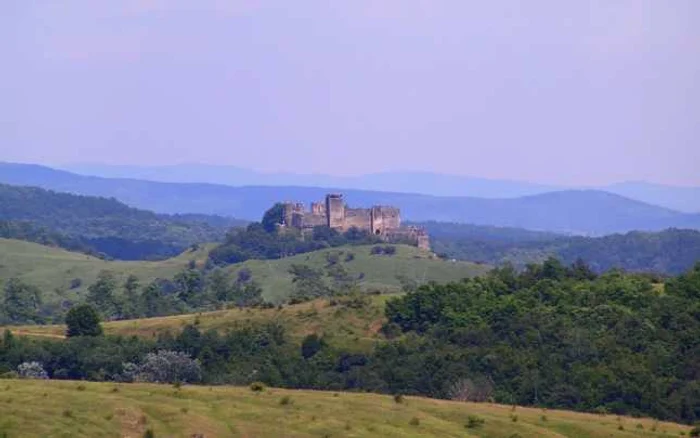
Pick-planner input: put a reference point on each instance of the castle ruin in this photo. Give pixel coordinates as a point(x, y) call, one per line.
point(380, 220)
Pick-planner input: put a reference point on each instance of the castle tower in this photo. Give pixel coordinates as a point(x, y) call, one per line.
point(335, 211)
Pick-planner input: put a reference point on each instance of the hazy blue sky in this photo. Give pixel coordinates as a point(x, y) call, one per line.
point(568, 92)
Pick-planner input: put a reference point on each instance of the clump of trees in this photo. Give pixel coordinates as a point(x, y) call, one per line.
point(164, 366)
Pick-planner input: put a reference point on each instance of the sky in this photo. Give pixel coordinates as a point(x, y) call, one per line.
point(558, 92)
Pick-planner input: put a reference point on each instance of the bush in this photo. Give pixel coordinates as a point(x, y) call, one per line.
point(257, 387)
point(415, 421)
point(31, 370)
point(286, 400)
point(695, 432)
point(474, 422)
point(398, 398)
point(165, 366)
point(149, 434)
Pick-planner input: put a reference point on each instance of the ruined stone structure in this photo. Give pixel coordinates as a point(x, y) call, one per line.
point(381, 220)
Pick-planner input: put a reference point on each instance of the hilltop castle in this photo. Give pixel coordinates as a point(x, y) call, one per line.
point(382, 221)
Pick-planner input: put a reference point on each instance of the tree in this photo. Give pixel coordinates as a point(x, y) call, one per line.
point(165, 366)
point(83, 320)
point(22, 301)
point(311, 345)
point(31, 370)
point(273, 217)
point(101, 294)
point(129, 307)
point(308, 283)
point(190, 285)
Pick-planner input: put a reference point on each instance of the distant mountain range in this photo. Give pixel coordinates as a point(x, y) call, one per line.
point(587, 212)
point(685, 199)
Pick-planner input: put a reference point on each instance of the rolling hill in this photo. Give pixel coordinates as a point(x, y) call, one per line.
point(54, 269)
point(105, 225)
point(572, 211)
point(89, 409)
point(686, 199)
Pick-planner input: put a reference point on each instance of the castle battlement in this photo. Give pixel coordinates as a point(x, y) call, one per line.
point(383, 221)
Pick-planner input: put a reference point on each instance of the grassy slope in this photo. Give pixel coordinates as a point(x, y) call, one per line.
point(75, 409)
point(341, 325)
point(53, 268)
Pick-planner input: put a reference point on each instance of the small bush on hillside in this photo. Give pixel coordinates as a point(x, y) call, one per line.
point(415, 421)
point(286, 400)
point(257, 387)
point(695, 432)
point(76, 283)
point(398, 398)
point(31, 370)
point(474, 422)
point(149, 434)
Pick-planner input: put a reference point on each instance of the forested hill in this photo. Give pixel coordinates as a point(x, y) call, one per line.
point(671, 251)
point(101, 225)
point(574, 211)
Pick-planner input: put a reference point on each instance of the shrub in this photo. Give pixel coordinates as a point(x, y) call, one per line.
point(31, 370)
point(257, 387)
point(415, 421)
point(165, 366)
point(474, 422)
point(286, 400)
point(76, 283)
point(695, 432)
point(149, 434)
point(398, 398)
point(68, 413)
point(514, 418)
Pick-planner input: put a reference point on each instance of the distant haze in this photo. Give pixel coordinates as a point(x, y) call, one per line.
point(555, 93)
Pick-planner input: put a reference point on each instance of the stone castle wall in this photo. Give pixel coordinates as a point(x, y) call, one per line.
point(381, 220)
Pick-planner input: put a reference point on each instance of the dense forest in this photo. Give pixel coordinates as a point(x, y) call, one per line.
point(553, 336)
point(670, 251)
point(102, 226)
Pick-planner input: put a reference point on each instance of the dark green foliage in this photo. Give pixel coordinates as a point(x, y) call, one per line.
point(311, 345)
point(255, 242)
point(548, 337)
point(383, 250)
point(101, 295)
point(83, 320)
point(21, 303)
point(474, 422)
point(695, 432)
point(272, 218)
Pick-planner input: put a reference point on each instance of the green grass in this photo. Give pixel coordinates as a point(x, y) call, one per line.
point(340, 324)
point(60, 409)
point(381, 272)
point(53, 269)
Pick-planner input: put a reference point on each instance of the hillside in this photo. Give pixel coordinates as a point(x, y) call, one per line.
point(343, 326)
point(80, 409)
point(670, 251)
point(107, 225)
point(53, 269)
point(572, 211)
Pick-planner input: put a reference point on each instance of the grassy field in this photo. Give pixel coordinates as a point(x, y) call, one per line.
point(53, 269)
point(340, 324)
point(82, 409)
